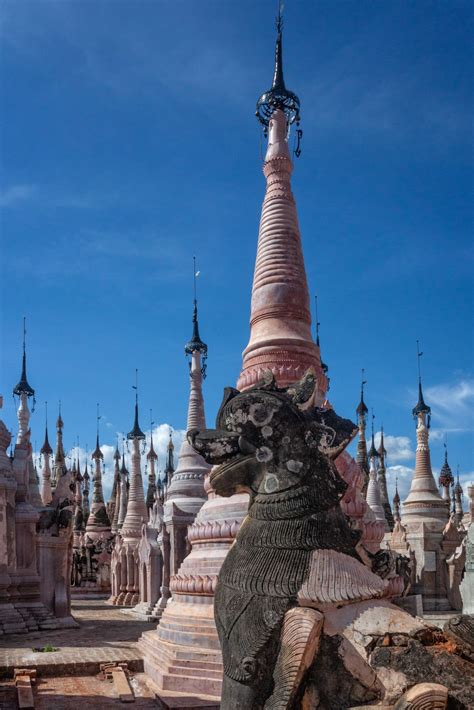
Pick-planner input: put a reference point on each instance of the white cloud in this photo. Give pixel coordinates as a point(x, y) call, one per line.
point(16, 193)
point(452, 404)
point(402, 474)
point(399, 448)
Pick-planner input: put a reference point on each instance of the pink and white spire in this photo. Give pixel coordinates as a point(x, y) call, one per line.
point(423, 502)
point(46, 452)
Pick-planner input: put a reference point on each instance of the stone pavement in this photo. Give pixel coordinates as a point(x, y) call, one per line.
point(104, 635)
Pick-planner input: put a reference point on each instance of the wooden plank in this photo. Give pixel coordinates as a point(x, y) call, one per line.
point(24, 692)
point(122, 686)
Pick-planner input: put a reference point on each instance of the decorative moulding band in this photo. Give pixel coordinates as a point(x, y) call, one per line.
point(204, 584)
point(213, 530)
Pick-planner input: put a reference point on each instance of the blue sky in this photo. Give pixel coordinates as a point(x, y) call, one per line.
point(129, 144)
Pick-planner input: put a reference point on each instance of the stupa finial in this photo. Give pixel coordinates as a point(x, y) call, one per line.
point(136, 432)
point(373, 454)
point(362, 408)
point(420, 407)
point(97, 453)
point(46, 448)
point(196, 344)
point(278, 97)
point(23, 386)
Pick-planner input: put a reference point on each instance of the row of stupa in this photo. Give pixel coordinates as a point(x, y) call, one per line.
point(165, 558)
point(34, 537)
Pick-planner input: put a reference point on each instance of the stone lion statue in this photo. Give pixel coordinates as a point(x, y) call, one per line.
point(295, 560)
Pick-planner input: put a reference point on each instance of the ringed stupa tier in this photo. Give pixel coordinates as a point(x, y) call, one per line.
point(137, 513)
point(124, 556)
point(458, 496)
point(169, 468)
point(382, 479)
point(361, 456)
point(423, 503)
point(123, 493)
point(280, 319)
point(446, 478)
point(85, 494)
point(46, 452)
point(152, 458)
point(374, 500)
point(59, 468)
point(98, 521)
point(185, 494)
point(112, 502)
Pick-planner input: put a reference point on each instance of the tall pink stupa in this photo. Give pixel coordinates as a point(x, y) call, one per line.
point(280, 319)
point(183, 656)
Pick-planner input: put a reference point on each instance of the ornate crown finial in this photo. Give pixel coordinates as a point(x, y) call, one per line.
point(23, 386)
point(196, 344)
point(421, 407)
point(278, 97)
point(362, 408)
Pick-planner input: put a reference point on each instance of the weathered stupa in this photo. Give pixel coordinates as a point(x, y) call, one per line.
point(183, 655)
point(124, 557)
point(185, 494)
point(424, 517)
point(382, 480)
point(46, 452)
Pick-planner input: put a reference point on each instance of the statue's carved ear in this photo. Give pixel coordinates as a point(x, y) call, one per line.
point(343, 430)
point(229, 393)
point(302, 391)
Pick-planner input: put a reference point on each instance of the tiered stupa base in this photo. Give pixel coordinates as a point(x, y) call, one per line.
point(183, 654)
point(187, 658)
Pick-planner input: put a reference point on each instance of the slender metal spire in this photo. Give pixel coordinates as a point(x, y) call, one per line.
point(169, 468)
point(381, 450)
point(78, 460)
point(196, 344)
point(97, 453)
point(23, 386)
point(117, 452)
point(396, 503)
point(151, 453)
point(278, 97)
point(46, 448)
point(136, 432)
point(362, 408)
point(373, 454)
point(123, 468)
point(86, 471)
point(420, 407)
point(323, 364)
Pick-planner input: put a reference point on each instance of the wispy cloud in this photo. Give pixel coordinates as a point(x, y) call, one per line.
point(402, 476)
point(54, 197)
point(16, 194)
point(399, 448)
point(453, 404)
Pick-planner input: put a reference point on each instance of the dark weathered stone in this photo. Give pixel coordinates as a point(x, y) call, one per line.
point(460, 629)
point(431, 665)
